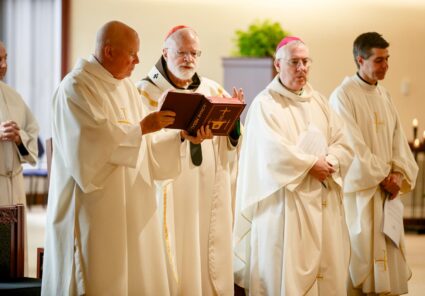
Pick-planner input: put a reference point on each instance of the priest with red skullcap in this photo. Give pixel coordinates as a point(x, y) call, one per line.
point(197, 205)
point(290, 234)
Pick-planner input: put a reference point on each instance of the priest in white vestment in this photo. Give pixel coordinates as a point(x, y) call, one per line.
point(197, 205)
point(382, 168)
point(18, 139)
point(290, 234)
point(103, 232)
point(18, 142)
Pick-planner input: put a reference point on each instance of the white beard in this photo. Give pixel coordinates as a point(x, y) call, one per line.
point(180, 73)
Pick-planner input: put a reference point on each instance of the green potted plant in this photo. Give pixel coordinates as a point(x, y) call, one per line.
point(251, 66)
point(259, 40)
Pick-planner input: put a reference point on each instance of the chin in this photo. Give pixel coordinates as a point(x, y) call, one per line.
point(185, 75)
point(301, 85)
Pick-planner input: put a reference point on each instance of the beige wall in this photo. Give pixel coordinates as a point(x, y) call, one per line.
point(329, 29)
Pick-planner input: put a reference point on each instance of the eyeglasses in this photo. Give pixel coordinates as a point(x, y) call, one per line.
point(194, 53)
point(296, 62)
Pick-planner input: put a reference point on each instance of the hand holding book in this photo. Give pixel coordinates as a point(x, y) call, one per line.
point(194, 110)
point(204, 133)
point(156, 121)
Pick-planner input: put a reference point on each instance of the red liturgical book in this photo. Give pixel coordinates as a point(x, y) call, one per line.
point(194, 110)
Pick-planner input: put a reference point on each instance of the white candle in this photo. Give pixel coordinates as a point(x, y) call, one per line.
point(415, 122)
point(416, 143)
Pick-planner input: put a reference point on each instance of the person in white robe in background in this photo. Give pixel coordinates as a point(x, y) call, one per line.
point(18, 143)
point(197, 204)
point(383, 167)
point(290, 234)
point(103, 232)
point(18, 139)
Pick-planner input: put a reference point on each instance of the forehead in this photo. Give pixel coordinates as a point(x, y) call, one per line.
point(379, 53)
point(298, 51)
point(131, 44)
point(186, 40)
point(133, 37)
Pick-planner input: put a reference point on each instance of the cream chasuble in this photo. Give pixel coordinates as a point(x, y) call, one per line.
point(197, 205)
point(103, 232)
point(290, 235)
point(374, 131)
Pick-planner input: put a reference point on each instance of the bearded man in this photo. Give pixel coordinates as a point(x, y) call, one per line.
point(197, 215)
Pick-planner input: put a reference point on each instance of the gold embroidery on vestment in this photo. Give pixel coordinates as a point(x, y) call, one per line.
point(384, 260)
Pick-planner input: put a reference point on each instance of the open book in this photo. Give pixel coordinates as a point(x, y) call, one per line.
point(194, 110)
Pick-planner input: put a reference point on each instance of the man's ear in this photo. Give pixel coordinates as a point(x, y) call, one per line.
point(360, 60)
point(277, 65)
point(165, 54)
point(107, 52)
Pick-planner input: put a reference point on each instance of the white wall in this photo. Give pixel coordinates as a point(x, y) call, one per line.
point(328, 27)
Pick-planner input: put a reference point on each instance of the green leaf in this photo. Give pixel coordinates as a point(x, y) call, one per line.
point(259, 40)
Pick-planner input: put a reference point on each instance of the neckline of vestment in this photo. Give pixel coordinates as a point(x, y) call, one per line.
point(364, 85)
point(93, 66)
point(278, 87)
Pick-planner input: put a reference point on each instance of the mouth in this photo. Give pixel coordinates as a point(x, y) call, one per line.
point(186, 67)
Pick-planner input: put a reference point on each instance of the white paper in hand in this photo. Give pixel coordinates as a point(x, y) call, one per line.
point(393, 219)
point(313, 141)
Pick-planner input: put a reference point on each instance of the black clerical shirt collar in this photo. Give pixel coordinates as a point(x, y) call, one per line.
point(358, 75)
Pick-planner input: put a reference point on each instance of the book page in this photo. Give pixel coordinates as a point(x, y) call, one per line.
point(313, 141)
point(393, 220)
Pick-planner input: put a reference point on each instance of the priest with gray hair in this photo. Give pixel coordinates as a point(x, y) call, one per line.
point(198, 203)
point(290, 235)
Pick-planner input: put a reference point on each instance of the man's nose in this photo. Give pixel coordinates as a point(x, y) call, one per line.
point(188, 57)
point(136, 60)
